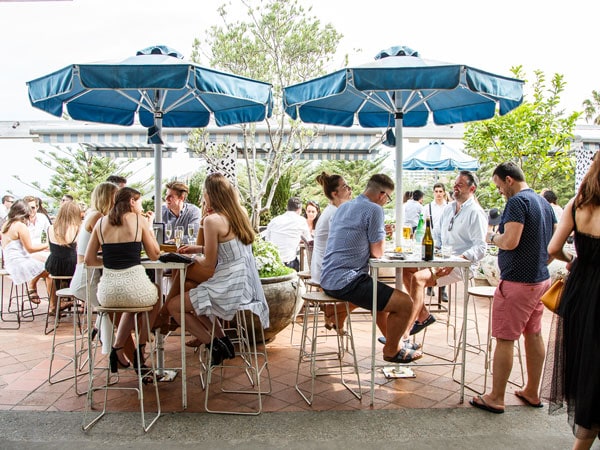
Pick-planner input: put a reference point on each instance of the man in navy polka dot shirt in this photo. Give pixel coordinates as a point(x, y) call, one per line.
point(522, 239)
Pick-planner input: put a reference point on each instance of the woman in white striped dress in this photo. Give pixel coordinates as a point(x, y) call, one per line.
point(234, 284)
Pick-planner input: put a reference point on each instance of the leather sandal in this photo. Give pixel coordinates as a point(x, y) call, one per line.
point(405, 355)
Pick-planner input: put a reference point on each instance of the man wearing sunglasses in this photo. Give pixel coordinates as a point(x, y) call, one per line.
point(357, 233)
point(462, 225)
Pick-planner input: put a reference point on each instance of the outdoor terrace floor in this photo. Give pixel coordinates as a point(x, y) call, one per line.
point(24, 361)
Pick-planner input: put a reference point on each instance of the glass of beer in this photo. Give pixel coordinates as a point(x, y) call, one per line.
point(406, 232)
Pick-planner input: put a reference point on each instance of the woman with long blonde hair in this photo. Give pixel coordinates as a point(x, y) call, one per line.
point(227, 254)
point(62, 236)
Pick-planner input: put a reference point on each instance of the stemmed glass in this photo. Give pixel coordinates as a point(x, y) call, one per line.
point(178, 236)
point(168, 231)
point(190, 230)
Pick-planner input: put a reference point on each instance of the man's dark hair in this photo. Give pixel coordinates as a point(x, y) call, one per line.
point(7, 197)
point(550, 196)
point(439, 185)
point(471, 177)
point(117, 179)
point(509, 169)
point(294, 204)
point(380, 181)
point(418, 195)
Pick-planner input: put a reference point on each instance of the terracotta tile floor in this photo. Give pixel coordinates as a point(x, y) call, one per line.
point(24, 361)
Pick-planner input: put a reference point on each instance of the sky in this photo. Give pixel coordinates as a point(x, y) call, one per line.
point(40, 37)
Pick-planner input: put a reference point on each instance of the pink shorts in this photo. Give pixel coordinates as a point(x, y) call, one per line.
point(517, 309)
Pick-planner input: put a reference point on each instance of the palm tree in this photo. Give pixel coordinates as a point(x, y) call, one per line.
point(592, 108)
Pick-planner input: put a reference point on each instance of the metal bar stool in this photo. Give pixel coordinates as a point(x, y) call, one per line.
point(4, 273)
point(78, 341)
point(252, 363)
point(56, 280)
point(19, 294)
point(309, 348)
point(487, 292)
point(141, 373)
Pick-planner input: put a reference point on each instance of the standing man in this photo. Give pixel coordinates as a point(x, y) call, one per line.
point(356, 234)
point(522, 239)
point(413, 208)
point(286, 230)
point(176, 210)
point(462, 225)
point(434, 211)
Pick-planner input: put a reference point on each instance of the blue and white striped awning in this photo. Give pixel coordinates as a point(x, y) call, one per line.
point(128, 142)
point(133, 150)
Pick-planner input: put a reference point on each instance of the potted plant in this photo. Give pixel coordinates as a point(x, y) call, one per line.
point(279, 284)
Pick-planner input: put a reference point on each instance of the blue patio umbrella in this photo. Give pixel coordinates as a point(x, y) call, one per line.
point(158, 87)
point(401, 89)
point(438, 156)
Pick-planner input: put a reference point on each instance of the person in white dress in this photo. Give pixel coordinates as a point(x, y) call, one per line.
point(227, 252)
point(18, 250)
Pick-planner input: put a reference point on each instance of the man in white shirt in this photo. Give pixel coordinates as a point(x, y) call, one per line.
point(286, 230)
point(463, 225)
point(413, 208)
point(38, 223)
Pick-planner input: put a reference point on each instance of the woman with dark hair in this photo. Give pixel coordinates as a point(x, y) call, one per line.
point(337, 191)
point(312, 211)
point(227, 254)
point(575, 361)
point(124, 282)
point(17, 250)
point(62, 236)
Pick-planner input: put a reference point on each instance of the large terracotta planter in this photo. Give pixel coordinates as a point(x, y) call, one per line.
point(280, 293)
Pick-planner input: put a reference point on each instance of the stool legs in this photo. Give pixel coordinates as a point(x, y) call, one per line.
point(141, 374)
point(252, 364)
point(79, 347)
point(312, 356)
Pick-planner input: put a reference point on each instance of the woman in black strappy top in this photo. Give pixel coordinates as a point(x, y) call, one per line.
point(124, 282)
point(62, 238)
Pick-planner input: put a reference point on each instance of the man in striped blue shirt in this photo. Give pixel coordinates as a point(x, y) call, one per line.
point(356, 234)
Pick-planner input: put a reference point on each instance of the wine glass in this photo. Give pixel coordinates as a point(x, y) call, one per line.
point(168, 231)
point(190, 230)
point(178, 236)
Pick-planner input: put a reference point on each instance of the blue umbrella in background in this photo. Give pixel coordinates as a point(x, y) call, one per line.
point(158, 87)
point(438, 156)
point(401, 89)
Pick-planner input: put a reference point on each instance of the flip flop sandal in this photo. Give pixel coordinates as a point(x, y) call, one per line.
point(404, 356)
point(527, 402)
point(483, 405)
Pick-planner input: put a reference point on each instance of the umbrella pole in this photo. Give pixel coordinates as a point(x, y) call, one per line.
point(399, 190)
point(158, 170)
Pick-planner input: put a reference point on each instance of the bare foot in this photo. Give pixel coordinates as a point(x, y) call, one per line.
point(530, 401)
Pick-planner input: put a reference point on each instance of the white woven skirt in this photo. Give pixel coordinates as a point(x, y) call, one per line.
point(126, 288)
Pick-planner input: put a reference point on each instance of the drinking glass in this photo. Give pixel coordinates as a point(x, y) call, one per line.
point(190, 230)
point(168, 231)
point(178, 236)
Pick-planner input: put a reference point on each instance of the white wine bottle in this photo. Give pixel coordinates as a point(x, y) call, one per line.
point(427, 242)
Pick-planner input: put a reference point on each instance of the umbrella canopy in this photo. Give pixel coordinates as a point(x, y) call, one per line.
point(401, 89)
point(158, 87)
point(438, 156)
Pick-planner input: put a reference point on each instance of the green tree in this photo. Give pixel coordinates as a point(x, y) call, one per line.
point(76, 172)
point(537, 136)
point(280, 42)
point(591, 108)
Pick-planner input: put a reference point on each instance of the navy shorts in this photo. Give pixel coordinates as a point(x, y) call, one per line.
point(360, 293)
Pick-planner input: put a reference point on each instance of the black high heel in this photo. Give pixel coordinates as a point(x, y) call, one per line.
point(143, 360)
point(114, 360)
point(218, 352)
point(228, 346)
